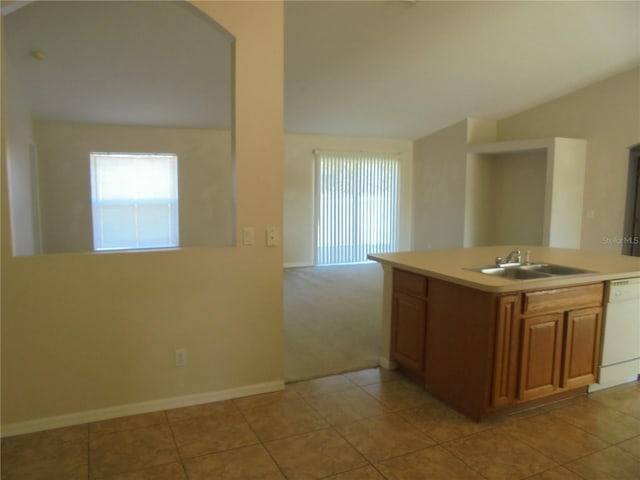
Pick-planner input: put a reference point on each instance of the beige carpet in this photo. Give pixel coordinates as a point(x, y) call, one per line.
point(332, 319)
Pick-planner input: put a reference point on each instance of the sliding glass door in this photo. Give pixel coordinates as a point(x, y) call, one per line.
point(356, 206)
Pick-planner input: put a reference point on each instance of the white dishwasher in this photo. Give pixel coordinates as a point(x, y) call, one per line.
point(621, 344)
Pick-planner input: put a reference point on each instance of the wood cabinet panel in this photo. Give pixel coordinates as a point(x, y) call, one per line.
point(459, 347)
point(408, 331)
point(582, 347)
point(505, 370)
point(541, 355)
point(563, 299)
point(410, 283)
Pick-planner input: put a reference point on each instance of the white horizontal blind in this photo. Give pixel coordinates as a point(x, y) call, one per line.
point(134, 200)
point(357, 206)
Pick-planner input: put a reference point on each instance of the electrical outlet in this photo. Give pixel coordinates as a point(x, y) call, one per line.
point(181, 357)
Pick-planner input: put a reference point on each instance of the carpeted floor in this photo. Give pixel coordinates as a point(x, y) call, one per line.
point(332, 319)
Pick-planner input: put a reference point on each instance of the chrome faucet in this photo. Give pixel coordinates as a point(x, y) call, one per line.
point(514, 258)
point(513, 253)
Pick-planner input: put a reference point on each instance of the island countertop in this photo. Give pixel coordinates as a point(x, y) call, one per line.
point(453, 265)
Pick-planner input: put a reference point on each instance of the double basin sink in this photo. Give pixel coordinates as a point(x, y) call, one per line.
point(531, 271)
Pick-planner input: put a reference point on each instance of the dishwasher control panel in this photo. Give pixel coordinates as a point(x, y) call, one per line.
point(623, 290)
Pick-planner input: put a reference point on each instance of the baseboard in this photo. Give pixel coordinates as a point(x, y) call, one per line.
point(617, 374)
point(387, 364)
point(87, 416)
point(297, 265)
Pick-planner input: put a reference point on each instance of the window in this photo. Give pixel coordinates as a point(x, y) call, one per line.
point(134, 200)
point(357, 206)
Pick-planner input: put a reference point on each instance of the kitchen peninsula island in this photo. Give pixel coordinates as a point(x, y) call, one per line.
point(485, 343)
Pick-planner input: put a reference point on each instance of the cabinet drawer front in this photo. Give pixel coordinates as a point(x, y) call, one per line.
point(410, 283)
point(563, 299)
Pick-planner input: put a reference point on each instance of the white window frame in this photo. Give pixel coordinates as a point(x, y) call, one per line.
point(142, 203)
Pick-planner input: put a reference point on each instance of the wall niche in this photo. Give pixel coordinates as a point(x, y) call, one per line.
point(527, 192)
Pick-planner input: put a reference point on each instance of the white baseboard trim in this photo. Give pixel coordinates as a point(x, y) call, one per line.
point(297, 265)
point(387, 364)
point(87, 416)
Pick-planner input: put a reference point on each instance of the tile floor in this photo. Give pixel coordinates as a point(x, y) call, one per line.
point(364, 425)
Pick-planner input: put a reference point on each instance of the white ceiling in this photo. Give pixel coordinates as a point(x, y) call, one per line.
point(124, 62)
point(404, 69)
point(372, 68)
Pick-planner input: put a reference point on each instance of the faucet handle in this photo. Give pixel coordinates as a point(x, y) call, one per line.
point(498, 261)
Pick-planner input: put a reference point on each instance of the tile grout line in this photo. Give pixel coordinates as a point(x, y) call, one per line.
point(175, 444)
point(455, 455)
point(261, 443)
point(369, 462)
point(182, 459)
point(332, 427)
point(390, 411)
point(533, 475)
point(580, 427)
point(88, 452)
point(622, 412)
point(562, 464)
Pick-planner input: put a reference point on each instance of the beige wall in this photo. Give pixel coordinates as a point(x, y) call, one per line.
point(20, 137)
point(94, 332)
point(508, 207)
point(439, 175)
point(299, 189)
point(607, 115)
point(205, 173)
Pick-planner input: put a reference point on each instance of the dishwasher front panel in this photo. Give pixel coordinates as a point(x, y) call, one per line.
point(622, 332)
point(621, 342)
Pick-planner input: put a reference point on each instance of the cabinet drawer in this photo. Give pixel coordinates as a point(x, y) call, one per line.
point(563, 299)
point(410, 283)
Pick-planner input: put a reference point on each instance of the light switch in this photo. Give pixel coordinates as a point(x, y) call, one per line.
point(248, 236)
point(273, 237)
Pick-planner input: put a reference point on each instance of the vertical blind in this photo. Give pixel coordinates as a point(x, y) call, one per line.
point(134, 200)
point(356, 206)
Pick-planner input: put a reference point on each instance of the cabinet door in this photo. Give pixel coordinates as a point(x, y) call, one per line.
point(541, 356)
point(505, 367)
point(582, 347)
point(408, 328)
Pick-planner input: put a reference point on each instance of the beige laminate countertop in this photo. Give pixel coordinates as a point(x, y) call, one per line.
point(452, 265)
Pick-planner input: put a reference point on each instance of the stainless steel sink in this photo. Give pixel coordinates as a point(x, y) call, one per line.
point(530, 272)
point(553, 269)
point(514, 273)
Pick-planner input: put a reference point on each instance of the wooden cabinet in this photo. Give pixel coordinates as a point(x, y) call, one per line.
point(409, 320)
point(548, 345)
point(541, 356)
point(481, 352)
point(507, 344)
point(562, 299)
point(582, 347)
point(408, 331)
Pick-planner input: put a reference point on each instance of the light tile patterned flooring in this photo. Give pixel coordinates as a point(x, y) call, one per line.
point(366, 425)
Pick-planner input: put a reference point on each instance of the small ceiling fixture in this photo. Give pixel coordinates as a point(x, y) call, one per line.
point(38, 54)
